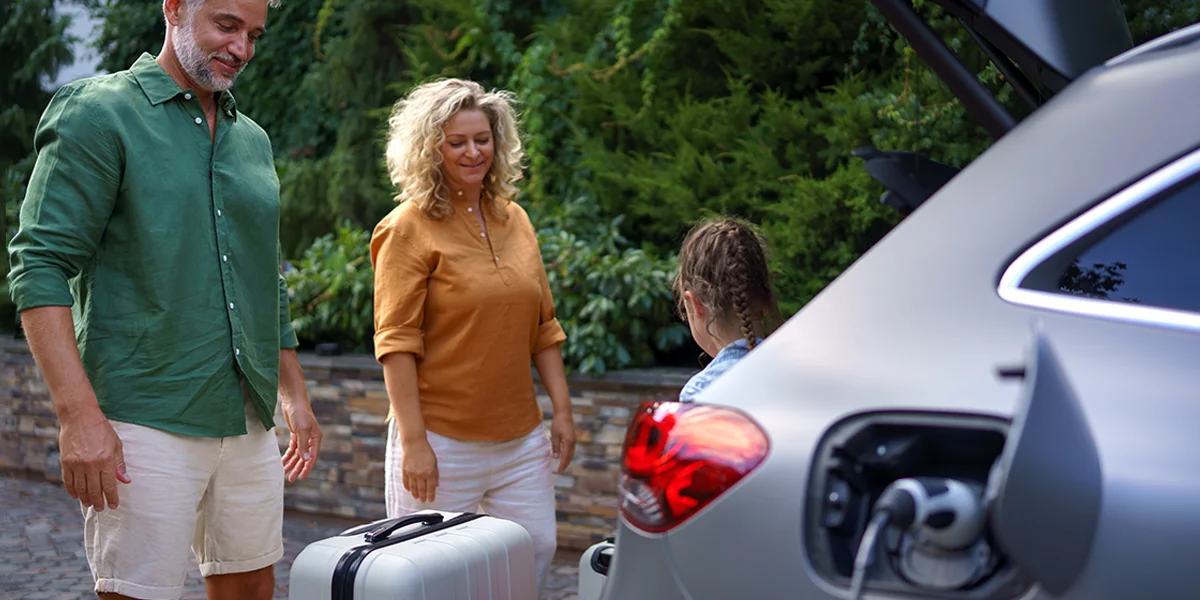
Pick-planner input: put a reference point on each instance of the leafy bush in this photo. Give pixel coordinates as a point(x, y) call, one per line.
point(613, 300)
point(331, 291)
point(641, 117)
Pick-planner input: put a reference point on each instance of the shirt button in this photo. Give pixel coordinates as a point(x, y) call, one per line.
point(237, 351)
point(224, 258)
point(230, 306)
point(469, 209)
point(187, 96)
point(497, 258)
point(218, 212)
point(483, 235)
point(199, 120)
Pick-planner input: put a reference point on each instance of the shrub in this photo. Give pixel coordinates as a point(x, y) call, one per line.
point(331, 291)
point(613, 300)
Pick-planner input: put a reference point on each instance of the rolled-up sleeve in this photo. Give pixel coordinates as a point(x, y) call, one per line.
point(549, 332)
point(402, 272)
point(70, 198)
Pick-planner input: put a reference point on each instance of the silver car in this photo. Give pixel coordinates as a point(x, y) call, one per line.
point(1001, 399)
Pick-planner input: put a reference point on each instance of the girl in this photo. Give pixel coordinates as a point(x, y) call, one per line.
point(724, 292)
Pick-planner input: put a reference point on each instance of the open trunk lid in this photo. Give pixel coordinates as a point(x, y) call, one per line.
point(1040, 46)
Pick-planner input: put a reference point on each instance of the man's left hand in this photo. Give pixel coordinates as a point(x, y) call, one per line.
point(305, 445)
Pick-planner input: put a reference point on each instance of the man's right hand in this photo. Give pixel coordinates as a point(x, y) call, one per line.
point(419, 470)
point(92, 460)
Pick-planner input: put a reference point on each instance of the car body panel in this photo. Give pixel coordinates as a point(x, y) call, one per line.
point(916, 324)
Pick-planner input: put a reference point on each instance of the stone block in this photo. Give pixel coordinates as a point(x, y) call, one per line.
point(335, 430)
point(592, 464)
point(323, 393)
point(600, 483)
point(615, 412)
point(369, 405)
point(370, 493)
point(355, 477)
point(610, 434)
point(608, 512)
point(359, 419)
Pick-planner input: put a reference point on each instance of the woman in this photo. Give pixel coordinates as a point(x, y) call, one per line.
point(462, 304)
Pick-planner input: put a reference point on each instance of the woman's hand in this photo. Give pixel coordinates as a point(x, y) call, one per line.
point(562, 438)
point(419, 470)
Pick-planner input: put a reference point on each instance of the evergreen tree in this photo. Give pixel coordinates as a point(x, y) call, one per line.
point(641, 117)
point(34, 38)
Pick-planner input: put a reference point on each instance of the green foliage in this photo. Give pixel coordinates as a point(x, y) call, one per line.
point(127, 29)
point(613, 300)
point(331, 290)
point(33, 38)
point(640, 118)
point(1149, 19)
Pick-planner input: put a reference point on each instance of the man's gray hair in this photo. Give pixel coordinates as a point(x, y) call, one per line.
point(195, 3)
point(191, 5)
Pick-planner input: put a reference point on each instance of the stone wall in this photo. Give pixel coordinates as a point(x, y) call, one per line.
point(350, 402)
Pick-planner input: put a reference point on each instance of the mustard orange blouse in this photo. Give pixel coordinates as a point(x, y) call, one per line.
point(473, 308)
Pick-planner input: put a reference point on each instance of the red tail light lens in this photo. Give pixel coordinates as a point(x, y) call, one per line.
point(678, 457)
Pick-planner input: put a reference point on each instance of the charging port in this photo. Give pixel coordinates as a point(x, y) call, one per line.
point(859, 458)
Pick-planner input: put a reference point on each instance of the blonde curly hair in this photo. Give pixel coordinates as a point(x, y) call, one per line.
point(415, 138)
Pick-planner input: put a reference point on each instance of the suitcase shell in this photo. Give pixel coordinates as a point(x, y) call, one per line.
point(483, 558)
point(593, 569)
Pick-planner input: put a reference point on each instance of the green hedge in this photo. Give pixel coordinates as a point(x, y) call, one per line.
point(641, 117)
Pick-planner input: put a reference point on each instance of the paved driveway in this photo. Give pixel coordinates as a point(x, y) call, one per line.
point(41, 547)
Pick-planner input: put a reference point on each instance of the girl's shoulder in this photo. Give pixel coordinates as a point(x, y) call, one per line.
point(722, 362)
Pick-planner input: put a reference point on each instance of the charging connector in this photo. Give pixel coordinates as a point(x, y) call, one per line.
point(946, 515)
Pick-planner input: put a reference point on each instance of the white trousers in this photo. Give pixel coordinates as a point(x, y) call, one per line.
point(507, 480)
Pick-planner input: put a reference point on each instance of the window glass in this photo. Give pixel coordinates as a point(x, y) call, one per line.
point(1153, 258)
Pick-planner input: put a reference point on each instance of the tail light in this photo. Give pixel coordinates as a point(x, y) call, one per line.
point(678, 457)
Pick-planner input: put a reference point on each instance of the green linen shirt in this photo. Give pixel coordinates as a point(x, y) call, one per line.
point(165, 243)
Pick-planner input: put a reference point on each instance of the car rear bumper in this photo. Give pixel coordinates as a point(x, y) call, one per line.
point(642, 569)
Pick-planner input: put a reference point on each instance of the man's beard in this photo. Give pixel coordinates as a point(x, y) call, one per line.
point(196, 63)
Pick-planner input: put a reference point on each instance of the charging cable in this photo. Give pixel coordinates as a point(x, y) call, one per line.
point(947, 513)
point(866, 552)
point(895, 506)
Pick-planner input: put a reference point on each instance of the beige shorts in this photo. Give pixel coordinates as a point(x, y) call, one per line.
point(219, 498)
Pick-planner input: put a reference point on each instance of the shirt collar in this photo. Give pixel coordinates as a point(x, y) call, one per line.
point(735, 349)
point(159, 87)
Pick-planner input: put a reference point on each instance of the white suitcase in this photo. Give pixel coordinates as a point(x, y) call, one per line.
point(593, 569)
point(428, 555)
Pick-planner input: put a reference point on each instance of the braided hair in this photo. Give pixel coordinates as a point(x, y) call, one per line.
point(724, 264)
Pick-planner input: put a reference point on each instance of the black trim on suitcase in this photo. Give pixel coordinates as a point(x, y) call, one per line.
point(348, 564)
point(602, 560)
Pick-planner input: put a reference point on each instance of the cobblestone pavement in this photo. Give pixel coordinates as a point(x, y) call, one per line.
point(42, 558)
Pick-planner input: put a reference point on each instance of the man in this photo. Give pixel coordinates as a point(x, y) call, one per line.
point(146, 270)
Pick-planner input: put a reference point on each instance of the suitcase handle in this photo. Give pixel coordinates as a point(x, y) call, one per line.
point(342, 586)
point(387, 529)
